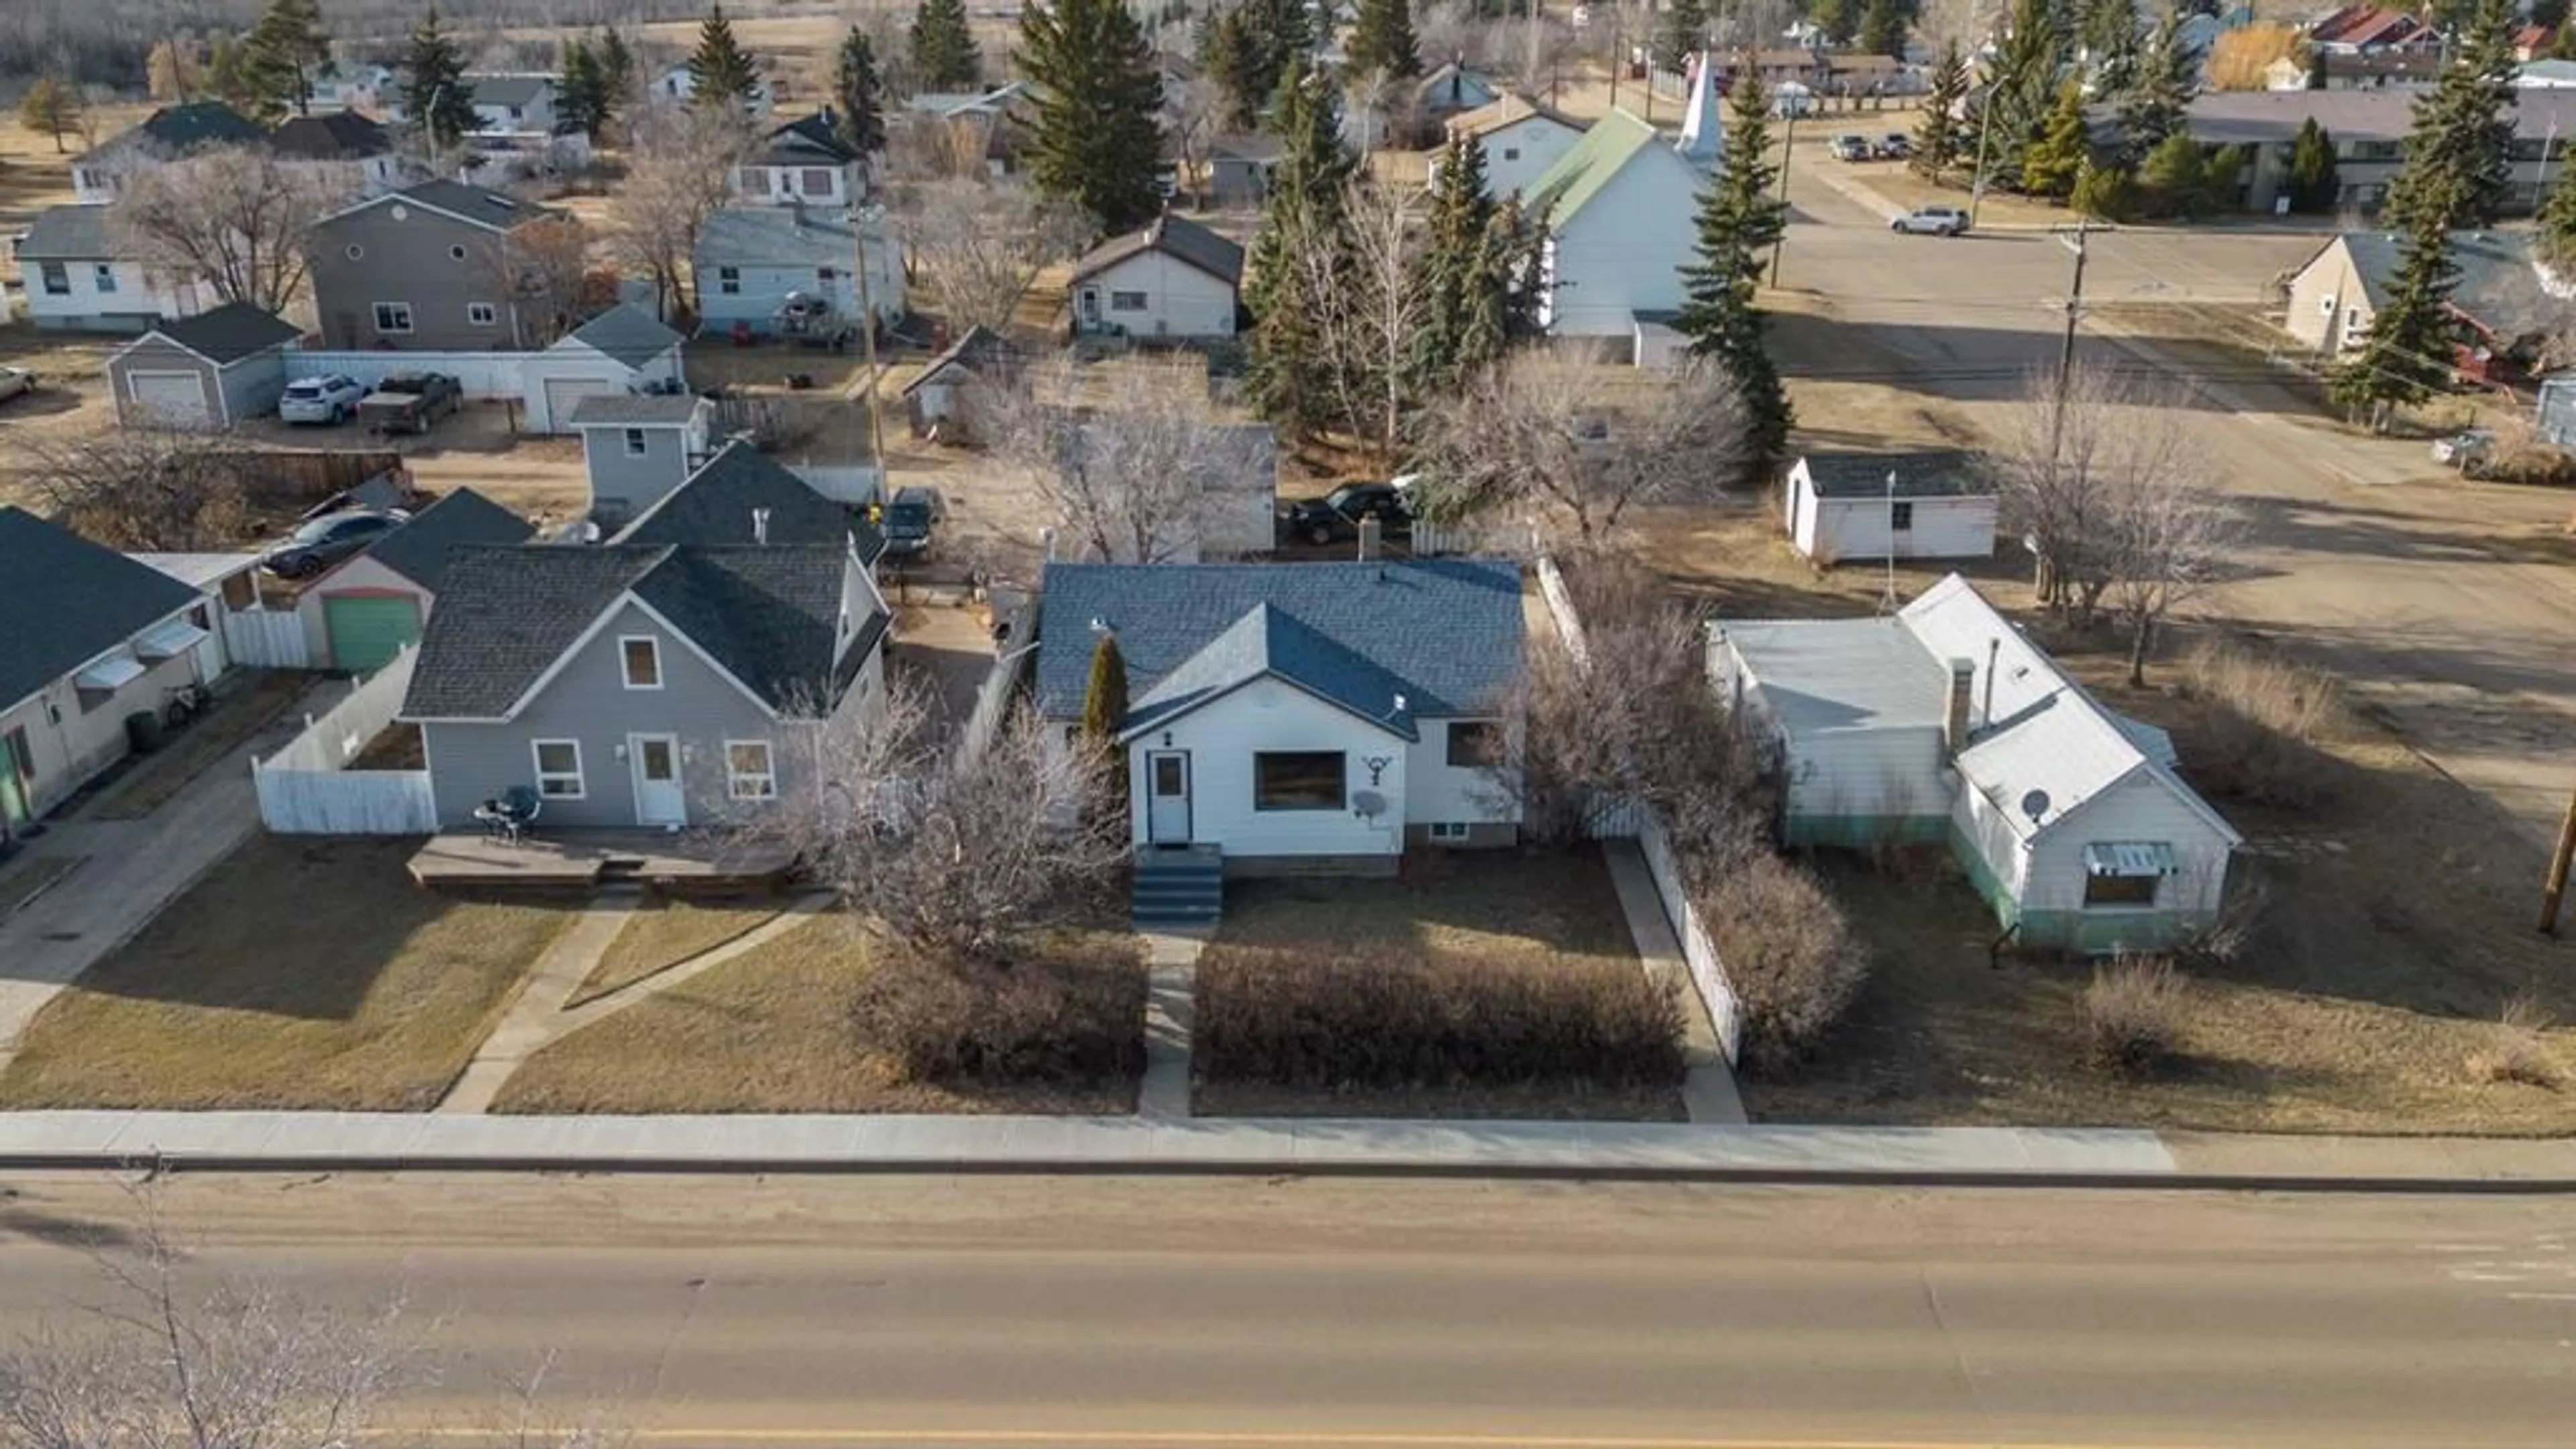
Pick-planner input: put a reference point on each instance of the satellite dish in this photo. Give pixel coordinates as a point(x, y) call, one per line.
point(2035, 804)
point(1367, 804)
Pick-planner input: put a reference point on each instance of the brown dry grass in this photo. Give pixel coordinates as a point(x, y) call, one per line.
point(298, 974)
point(666, 932)
point(1528, 912)
point(771, 1031)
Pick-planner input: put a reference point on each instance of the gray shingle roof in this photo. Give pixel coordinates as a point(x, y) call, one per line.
point(634, 410)
point(68, 601)
point(1949, 474)
point(509, 90)
point(479, 205)
point(67, 234)
point(1269, 642)
point(627, 333)
point(778, 236)
point(2498, 285)
point(230, 332)
point(766, 615)
point(2232, 117)
point(715, 506)
point(1445, 633)
point(1174, 236)
point(420, 549)
point(981, 349)
point(339, 136)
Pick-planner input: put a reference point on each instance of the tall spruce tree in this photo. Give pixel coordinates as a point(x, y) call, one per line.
point(616, 67)
point(2459, 162)
point(1936, 136)
point(2555, 233)
point(944, 54)
point(434, 91)
point(858, 106)
point(280, 57)
point(2027, 76)
point(1304, 228)
point(1098, 135)
point(1883, 26)
point(1383, 43)
point(1228, 60)
point(2050, 164)
point(1681, 30)
point(720, 71)
point(2409, 355)
point(1738, 220)
point(581, 95)
point(2313, 185)
point(1458, 272)
point(2154, 103)
point(1518, 247)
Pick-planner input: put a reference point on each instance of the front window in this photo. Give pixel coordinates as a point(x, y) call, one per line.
point(635, 442)
point(58, 282)
point(1297, 780)
point(393, 316)
point(1126, 301)
point(729, 281)
point(1900, 517)
point(748, 775)
point(1475, 742)
point(558, 769)
point(2125, 874)
point(818, 181)
point(481, 314)
point(102, 275)
point(642, 660)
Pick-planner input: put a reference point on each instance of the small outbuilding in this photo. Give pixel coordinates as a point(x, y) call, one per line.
point(213, 370)
point(636, 449)
point(937, 397)
point(1173, 279)
point(1843, 506)
point(357, 616)
point(621, 351)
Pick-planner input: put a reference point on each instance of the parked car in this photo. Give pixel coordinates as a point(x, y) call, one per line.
point(408, 402)
point(1932, 221)
point(1337, 514)
point(16, 382)
point(1895, 146)
point(326, 540)
point(1848, 147)
point(332, 399)
point(2469, 450)
point(910, 520)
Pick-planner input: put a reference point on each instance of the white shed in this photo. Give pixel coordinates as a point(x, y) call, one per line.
point(1173, 279)
point(622, 350)
point(1840, 506)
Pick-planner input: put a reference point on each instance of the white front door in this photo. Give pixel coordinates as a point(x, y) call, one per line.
point(1167, 788)
point(658, 797)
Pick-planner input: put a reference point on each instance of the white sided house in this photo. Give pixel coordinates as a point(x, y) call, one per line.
point(1943, 723)
point(751, 259)
point(1617, 210)
point(78, 280)
point(621, 352)
point(1522, 139)
point(1843, 506)
point(1174, 279)
point(1297, 717)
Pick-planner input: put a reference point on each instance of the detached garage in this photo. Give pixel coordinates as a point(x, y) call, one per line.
point(212, 370)
point(357, 616)
point(1841, 506)
point(622, 350)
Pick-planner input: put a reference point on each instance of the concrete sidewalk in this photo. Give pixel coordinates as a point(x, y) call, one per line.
point(1971, 1156)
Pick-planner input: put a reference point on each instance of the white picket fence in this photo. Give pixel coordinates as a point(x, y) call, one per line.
point(307, 788)
point(267, 639)
point(1629, 819)
point(479, 374)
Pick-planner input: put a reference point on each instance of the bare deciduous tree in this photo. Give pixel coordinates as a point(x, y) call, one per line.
point(953, 850)
point(1370, 312)
point(1583, 445)
point(976, 245)
point(679, 171)
point(1126, 454)
point(2174, 533)
point(1191, 114)
point(142, 489)
point(236, 216)
point(547, 269)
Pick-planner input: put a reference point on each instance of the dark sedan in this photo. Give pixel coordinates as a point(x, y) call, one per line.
point(327, 540)
point(1337, 514)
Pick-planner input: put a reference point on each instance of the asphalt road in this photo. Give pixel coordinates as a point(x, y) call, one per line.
point(1203, 1313)
point(2446, 603)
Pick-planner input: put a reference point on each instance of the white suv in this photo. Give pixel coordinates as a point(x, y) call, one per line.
point(331, 399)
point(1932, 221)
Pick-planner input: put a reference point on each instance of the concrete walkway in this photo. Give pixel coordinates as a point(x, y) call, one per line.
point(1172, 969)
point(531, 1021)
point(1708, 1093)
point(130, 869)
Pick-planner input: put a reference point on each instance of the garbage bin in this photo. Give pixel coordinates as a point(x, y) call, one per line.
point(143, 731)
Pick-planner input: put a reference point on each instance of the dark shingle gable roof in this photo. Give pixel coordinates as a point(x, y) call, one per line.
point(2497, 284)
point(806, 141)
point(1269, 642)
point(68, 600)
point(715, 506)
point(978, 349)
point(765, 614)
point(67, 234)
point(509, 90)
point(181, 128)
point(1948, 474)
point(1445, 633)
point(479, 205)
point(339, 136)
point(627, 333)
point(420, 549)
point(1174, 236)
point(635, 410)
point(229, 333)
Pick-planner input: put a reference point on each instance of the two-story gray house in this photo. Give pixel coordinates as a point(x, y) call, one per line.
point(685, 673)
point(437, 267)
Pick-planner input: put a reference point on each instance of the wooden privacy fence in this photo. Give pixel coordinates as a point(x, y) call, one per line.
point(307, 787)
point(308, 475)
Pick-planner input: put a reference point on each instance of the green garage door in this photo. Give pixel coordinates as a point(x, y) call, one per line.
point(366, 629)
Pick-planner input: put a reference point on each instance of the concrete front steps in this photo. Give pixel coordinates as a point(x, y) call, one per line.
point(1178, 887)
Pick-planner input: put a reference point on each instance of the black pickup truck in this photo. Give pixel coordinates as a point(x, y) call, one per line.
point(408, 402)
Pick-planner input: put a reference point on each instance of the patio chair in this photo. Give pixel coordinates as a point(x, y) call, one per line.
point(509, 817)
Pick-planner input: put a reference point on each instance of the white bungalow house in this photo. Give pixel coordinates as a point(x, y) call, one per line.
point(1521, 137)
point(1296, 716)
point(803, 163)
point(1842, 506)
point(1943, 723)
point(1172, 279)
point(1617, 209)
point(750, 258)
point(79, 280)
point(676, 86)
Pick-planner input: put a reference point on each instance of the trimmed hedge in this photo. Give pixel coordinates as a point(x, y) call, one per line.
point(1062, 1021)
point(1286, 1018)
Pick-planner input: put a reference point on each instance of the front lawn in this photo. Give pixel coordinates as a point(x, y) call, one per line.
point(299, 973)
point(1481, 985)
point(780, 1029)
point(665, 932)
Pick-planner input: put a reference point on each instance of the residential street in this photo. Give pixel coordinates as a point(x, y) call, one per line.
point(1178, 1312)
point(2447, 604)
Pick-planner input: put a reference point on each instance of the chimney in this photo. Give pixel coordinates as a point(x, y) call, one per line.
point(1954, 725)
point(1372, 536)
point(760, 526)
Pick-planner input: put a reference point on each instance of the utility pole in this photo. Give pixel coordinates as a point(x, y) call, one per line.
point(2066, 350)
point(1977, 179)
point(873, 216)
point(2556, 890)
point(1788, 148)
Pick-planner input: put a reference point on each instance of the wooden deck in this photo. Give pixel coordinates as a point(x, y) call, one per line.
point(577, 859)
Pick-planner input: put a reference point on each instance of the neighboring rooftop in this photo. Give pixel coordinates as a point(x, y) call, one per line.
point(1445, 633)
point(627, 333)
point(68, 234)
point(1580, 174)
point(2500, 282)
point(805, 140)
point(979, 348)
point(1950, 474)
point(2256, 117)
point(509, 90)
point(1508, 110)
point(229, 333)
point(635, 410)
point(179, 128)
point(1821, 675)
point(1177, 237)
point(780, 236)
point(716, 503)
point(422, 549)
point(338, 136)
point(482, 206)
point(68, 601)
point(198, 571)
